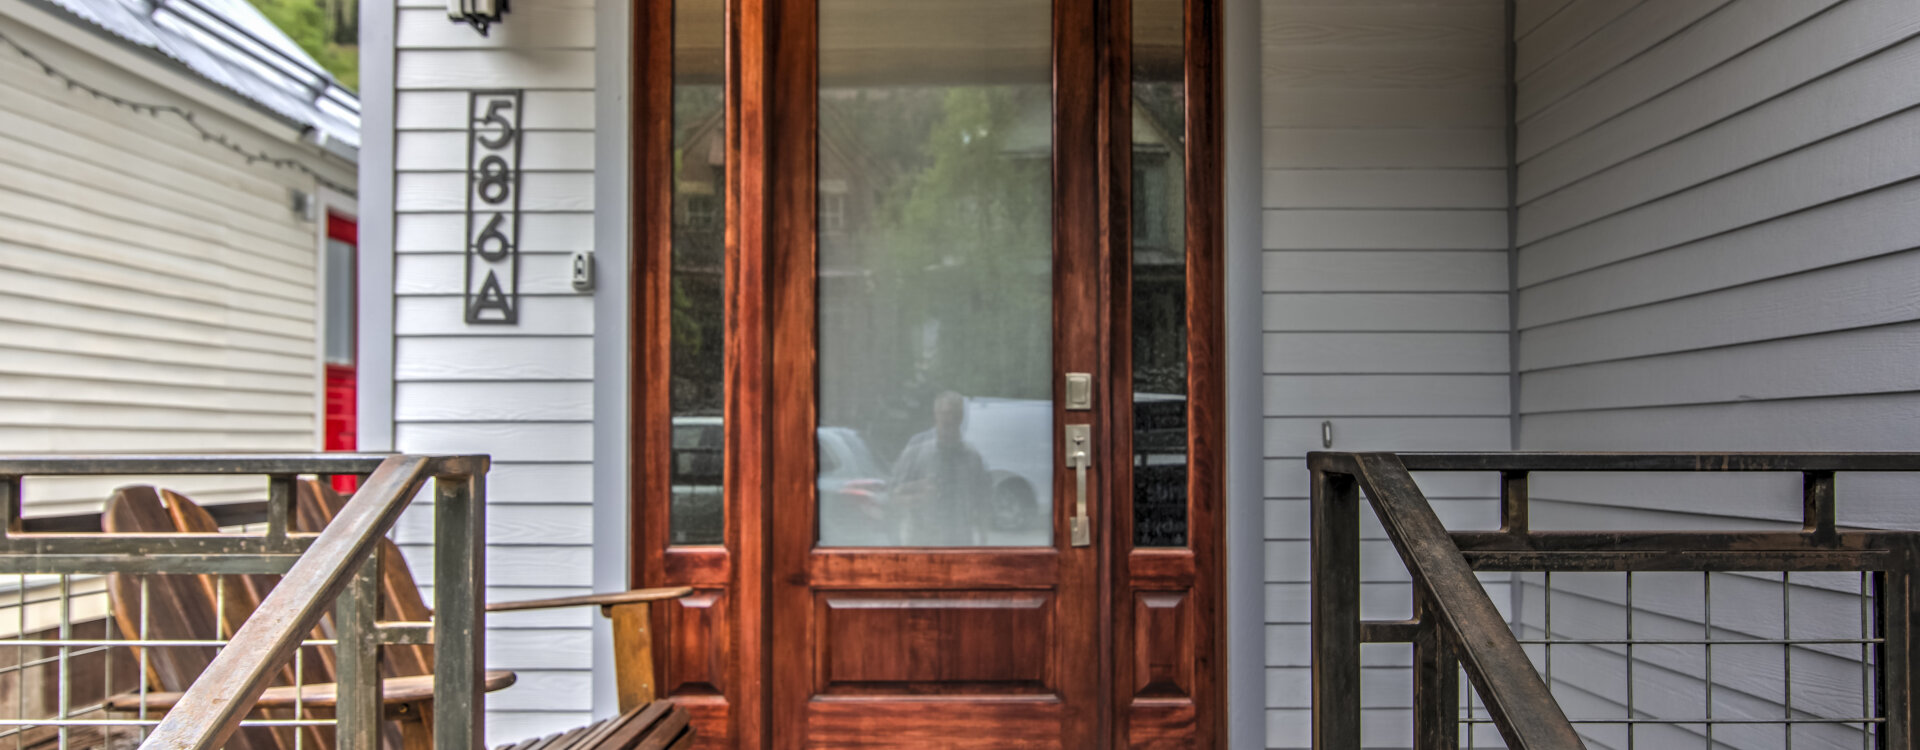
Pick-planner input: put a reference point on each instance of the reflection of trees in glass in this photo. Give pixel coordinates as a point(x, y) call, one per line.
point(941, 279)
point(1159, 237)
point(699, 231)
point(1159, 282)
point(973, 239)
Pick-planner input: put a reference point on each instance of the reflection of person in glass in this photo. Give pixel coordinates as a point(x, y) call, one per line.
point(941, 484)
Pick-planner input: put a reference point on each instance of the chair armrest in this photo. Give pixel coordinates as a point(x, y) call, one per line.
point(596, 600)
point(393, 690)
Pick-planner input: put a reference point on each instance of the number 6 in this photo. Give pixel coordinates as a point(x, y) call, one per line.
point(493, 234)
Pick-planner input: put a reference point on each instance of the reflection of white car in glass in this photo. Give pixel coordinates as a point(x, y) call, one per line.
point(852, 486)
point(698, 510)
point(853, 491)
point(1015, 439)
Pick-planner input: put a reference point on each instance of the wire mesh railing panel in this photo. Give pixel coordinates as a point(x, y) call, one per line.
point(1702, 659)
point(250, 626)
point(83, 659)
point(1776, 637)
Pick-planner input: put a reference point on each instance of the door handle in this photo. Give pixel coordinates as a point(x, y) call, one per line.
point(1080, 457)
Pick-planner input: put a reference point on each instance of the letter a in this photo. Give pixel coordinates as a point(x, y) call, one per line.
point(491, 297)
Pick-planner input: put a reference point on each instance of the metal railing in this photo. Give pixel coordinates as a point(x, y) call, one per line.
point(334, 571)
point(1507, 659)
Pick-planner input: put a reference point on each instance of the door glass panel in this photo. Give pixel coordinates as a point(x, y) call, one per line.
point(698, 284)
point(935, 273)
point(340, 326)
point(1159, 276)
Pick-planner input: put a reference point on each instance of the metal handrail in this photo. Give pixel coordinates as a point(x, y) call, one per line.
point(1456, 624)
point(1522, 707)
point(336, 568)
point(1662, 462)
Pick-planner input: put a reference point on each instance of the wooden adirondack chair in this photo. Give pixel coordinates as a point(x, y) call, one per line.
point(183, 607)
point(407, 689)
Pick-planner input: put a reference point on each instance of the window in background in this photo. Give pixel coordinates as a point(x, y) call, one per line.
point(340, 331)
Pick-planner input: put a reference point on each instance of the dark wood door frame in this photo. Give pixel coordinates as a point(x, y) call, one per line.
point(707, 645)
point(1166, 607)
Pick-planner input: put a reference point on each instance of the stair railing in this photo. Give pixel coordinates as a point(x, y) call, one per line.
point(1456, 624)
point(335, 570)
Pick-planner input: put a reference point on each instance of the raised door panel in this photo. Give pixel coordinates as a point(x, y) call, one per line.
point(933, 643)
point(1163, 645)
point(696, 648)
point(945, 724)
point(1161, 712)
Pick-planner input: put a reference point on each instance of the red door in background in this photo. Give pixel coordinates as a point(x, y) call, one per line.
point(339, 329)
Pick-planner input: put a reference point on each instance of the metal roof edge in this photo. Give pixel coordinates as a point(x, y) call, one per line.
point(298, 131)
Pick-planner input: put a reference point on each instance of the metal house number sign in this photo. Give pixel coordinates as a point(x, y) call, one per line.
point(493, 208)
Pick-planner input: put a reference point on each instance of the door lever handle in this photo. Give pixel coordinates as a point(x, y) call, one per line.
point(1080, 457)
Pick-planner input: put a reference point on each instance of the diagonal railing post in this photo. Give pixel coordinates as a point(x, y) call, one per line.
point(1522, 707)
point(459, 575)
point(1336, 608)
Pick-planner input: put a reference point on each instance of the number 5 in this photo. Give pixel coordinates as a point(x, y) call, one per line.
point(507, 131)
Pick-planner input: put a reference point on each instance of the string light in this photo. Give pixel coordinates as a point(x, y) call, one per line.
point(251, 157)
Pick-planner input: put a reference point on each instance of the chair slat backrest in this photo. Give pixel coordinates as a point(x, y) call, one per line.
point(239, 595)
point(177, 608)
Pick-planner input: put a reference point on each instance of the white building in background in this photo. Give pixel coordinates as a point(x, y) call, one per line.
point(166, 284)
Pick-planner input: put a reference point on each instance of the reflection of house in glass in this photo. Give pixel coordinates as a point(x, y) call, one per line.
point(699, 247)
point(697, 282)
point(935, 253)
point(1159, 239)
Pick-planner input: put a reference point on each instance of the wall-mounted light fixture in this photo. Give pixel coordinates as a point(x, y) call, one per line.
point(480, 14)
point(302, 205)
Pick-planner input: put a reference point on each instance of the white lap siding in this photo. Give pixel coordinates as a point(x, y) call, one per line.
point(1718, 221)
point(1386, 291)
point(521, 393)
point(157, 292)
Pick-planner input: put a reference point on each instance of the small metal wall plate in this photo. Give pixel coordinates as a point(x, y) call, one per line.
point(581, 271)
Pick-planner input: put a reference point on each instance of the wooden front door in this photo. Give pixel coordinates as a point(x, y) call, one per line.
point(942, 277)
point(926, 370)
